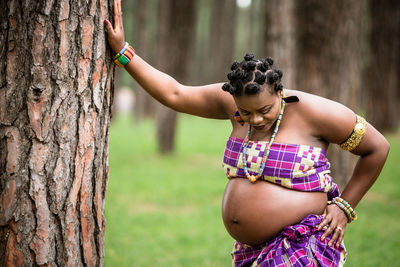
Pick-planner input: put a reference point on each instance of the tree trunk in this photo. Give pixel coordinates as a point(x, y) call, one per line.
point(382, 74)
point(222, 39)
point(176, 35)
point(55, 100)
point(145, 105)
point(280, 38)
point(328, 60)
point(200, 50)
point(257, 16)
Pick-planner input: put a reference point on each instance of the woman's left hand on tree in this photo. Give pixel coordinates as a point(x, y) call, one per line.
point(116, 36)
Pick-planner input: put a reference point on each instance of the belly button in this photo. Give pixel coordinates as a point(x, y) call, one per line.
point(235, 221)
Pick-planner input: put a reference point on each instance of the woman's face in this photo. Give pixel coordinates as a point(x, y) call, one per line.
point(260, 110)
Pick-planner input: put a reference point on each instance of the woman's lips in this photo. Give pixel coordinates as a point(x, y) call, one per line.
point(258, 128)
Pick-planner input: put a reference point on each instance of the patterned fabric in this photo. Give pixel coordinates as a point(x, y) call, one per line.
point(297, 246)
point(298, 167)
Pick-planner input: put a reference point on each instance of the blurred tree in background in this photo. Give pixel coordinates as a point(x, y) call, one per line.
point(382, 65)
point(328, 61)
point(222, 38)
point(344, 50)
point(279, 37)
point(144, 39)
point(175, 37)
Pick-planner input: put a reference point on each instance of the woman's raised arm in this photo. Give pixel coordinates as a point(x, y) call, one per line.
point(206, 101)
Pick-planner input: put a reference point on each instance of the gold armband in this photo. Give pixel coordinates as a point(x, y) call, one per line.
point(355, 138)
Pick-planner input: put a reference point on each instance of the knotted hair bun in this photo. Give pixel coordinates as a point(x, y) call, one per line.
point(280, 73)
point(262, 66)
point(278, 87)
point(259, 78)
point(272, 77)
point(237, 87)
point(234, 65)
point(227, 88)
point(238, 74)
point(248, 57)
point(270, 61)
point(249, 65)
point(251, 89)
point(249, 75)
point(231, 76)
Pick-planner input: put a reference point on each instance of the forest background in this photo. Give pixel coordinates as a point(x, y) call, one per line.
point(165, 191)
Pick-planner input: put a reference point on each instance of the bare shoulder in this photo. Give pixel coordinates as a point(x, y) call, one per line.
point(327, 119)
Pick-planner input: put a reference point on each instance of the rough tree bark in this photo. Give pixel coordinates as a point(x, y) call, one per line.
point(328, 60)
point(176, 35)
point(55, 100)
point(382, 75)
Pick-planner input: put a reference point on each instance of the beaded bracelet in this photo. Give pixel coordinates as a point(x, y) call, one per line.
point(124, 56)
point(345, 206)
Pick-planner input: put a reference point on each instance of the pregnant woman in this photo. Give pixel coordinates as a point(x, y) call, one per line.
point(280, 203)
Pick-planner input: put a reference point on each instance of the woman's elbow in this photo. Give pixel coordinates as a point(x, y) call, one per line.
point(379, 144)
point(171, 98)
point(385, 147)
point(381, 148)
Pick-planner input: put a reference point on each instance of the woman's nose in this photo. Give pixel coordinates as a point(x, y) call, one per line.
point(255, 119)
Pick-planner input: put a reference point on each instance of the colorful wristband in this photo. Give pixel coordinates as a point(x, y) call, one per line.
point(124, 56)
point(122, 50)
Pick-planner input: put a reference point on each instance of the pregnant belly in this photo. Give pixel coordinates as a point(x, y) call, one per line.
point(256, 213)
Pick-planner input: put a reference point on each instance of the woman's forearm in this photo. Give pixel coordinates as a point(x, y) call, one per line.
point(158, 84)
point(366, 172)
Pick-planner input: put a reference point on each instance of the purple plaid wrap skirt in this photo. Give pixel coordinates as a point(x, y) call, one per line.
point(298, 245)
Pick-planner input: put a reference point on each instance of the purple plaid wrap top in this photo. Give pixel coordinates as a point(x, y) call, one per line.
point(298, 167)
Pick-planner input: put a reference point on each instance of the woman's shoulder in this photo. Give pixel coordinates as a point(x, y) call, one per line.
point(328, 119)
point(315, 106)
point(312, 100)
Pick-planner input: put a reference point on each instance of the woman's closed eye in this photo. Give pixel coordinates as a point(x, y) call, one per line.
point(265, 111)
point(244, 112)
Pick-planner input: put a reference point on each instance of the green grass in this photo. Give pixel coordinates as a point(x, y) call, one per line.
point(166, 210)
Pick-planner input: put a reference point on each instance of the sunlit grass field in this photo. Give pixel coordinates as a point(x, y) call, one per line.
point(166, 210)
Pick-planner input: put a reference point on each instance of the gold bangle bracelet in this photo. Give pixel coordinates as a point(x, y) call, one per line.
point(355, 138)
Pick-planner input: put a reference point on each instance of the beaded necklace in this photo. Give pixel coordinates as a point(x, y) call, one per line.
point(253, 178)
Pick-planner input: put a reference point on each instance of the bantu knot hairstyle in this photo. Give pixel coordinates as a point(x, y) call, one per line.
point(248, 76)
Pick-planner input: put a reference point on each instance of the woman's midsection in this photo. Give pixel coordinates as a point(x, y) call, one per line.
point(256, 213)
